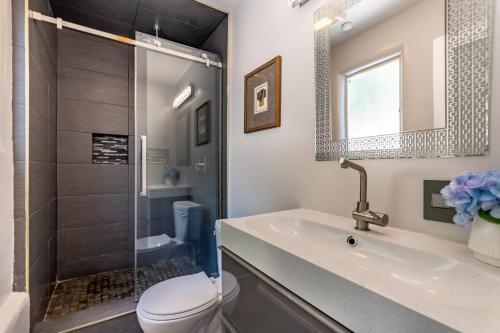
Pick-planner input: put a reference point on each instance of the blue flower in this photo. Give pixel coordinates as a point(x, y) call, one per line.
point(470, 192)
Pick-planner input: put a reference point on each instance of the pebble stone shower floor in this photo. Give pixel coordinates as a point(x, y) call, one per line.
point(84, 292)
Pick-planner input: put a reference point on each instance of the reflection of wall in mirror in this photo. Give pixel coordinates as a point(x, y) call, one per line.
point(419, 34)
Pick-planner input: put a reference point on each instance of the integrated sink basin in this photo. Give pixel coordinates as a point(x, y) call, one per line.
point(378, 281)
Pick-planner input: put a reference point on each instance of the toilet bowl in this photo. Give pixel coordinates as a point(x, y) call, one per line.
point(186, 304)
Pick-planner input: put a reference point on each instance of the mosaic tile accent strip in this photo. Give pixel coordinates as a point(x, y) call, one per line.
point(109, 149)
point(84, 292)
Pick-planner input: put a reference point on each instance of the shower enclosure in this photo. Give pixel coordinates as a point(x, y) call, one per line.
point(176, 172)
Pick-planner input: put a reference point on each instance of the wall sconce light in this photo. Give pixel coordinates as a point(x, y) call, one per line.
point(182, 96)
point(295, 3)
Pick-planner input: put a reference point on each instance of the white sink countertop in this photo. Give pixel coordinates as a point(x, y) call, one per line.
point(392, 281)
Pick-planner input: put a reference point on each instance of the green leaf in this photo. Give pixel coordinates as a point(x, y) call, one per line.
point(487, 217)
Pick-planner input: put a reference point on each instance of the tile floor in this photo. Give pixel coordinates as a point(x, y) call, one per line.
point(84, 292)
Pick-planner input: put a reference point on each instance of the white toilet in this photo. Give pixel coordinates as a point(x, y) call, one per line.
point(187, 224)
point(187, 220)
point(186, 304)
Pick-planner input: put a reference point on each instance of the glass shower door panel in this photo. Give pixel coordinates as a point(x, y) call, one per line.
point(177, 169)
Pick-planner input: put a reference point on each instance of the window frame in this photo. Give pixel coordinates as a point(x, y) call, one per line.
point(364, 68)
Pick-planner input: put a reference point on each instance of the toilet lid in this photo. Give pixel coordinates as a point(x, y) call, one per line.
point(179, 295)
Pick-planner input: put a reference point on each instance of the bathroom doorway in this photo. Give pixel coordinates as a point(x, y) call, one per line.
point(176, 176)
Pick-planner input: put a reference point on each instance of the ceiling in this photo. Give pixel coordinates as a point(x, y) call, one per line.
point(367, 14)
point(224, 5)
point(188, 22)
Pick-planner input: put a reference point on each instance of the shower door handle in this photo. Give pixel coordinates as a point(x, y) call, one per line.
point(144, 166)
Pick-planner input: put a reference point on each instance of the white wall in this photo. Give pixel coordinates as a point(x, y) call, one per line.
point(275, 169)
point(412, 33)
point(6, 157)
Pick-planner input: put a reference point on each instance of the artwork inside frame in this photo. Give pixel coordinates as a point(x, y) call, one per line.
point(263, 97)
point(202, 124)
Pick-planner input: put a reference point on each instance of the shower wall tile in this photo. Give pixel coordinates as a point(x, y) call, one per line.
point(93, 201)
point(91, 179)
point(39, 286)
point(19, 282)
point(39, 131)
point(19, 190)
point(90, 86)
point(97, 55)
point(94, 241)
point(42, 153)
point(39, 233)
point(42, 178)
point(92, 265)
point(74, 147)
point(92, 210)
point(84, 116)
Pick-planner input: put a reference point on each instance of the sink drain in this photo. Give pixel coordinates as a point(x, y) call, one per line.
point(351, 241)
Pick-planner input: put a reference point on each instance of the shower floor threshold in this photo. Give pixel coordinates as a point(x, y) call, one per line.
point(88, 317)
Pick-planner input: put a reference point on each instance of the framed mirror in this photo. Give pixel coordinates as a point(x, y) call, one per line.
point(402, 78)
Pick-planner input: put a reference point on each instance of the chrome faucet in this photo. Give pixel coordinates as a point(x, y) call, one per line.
point(362, 214)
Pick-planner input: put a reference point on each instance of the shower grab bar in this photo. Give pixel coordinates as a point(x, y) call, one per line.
point(144, 175)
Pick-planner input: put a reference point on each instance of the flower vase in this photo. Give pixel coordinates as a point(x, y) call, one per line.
point(484, 240)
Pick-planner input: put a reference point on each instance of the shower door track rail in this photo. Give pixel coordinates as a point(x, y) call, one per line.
point(60, 23)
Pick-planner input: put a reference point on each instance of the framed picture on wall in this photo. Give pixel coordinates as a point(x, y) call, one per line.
point(202, 124)
point(263, 97)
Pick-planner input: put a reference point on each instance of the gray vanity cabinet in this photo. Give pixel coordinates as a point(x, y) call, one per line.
point(263, 306)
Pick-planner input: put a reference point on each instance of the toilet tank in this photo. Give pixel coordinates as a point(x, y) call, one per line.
point(187, 220)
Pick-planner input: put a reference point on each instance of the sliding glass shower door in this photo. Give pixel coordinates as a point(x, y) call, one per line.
point(177, 162)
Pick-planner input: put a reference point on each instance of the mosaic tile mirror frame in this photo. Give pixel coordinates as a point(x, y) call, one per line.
point(468, 47)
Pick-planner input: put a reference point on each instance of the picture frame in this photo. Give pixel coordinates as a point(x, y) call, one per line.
point(262, 109)
point(202, 124)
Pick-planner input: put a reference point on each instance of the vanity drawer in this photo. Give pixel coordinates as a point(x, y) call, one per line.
point(265, 306)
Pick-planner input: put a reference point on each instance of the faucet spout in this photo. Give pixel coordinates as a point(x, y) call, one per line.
point(362, 214)
point(363, 181)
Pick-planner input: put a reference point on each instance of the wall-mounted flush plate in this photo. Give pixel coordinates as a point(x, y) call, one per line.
point(435, 208)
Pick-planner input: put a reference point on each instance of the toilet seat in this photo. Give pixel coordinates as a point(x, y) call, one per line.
point(178, 298)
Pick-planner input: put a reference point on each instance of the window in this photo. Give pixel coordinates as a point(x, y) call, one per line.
point(373, 98)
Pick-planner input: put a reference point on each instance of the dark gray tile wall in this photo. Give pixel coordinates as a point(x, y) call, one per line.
point(93, 199)
point(41, 162)
point(19, 132)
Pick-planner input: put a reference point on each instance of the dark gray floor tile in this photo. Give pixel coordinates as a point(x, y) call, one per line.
point(86, 211)
point(91, 179)
point(124, 324)
point(90, 86)
point(81, 116)
point(74, 147)
point(103, 56)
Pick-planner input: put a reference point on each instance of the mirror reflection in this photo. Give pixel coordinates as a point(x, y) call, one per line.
point(388, 68)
